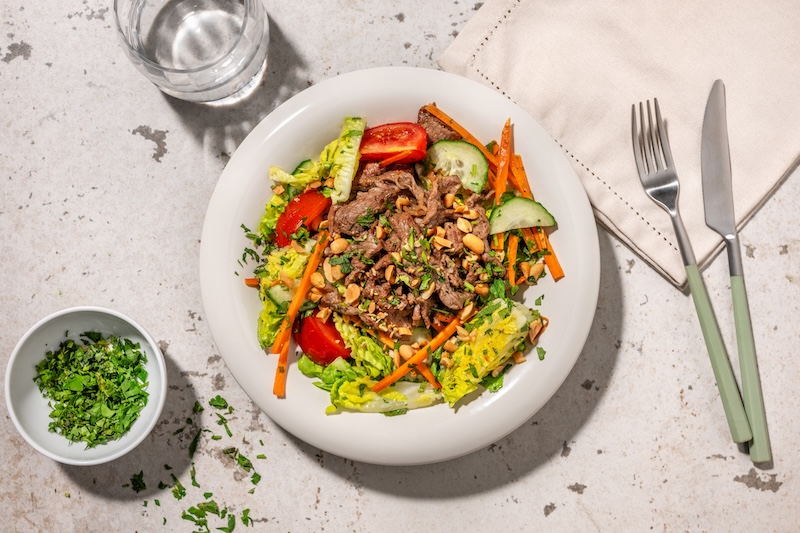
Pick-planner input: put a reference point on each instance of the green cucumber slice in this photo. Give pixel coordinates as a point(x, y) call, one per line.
point(279, 295)
point(304, 166)
point(459, 158)
point(519, 213)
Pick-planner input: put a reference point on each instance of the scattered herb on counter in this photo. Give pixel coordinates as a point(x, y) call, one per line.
point(96, 389)
point(137, 482)
point(200, 513)
point(219, 402)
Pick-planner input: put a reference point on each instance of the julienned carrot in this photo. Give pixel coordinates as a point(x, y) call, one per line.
point(251, 282)
point(279, 385)
point(520, 181)
point(513, 242)
point(305, 283)
point(418, 357)
point(550, 258)
point(518, 177)
point(421, 367)
point(503, 162)
point(394, 158)
point(461, 130)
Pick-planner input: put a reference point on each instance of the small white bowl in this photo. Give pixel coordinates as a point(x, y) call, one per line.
point(29, 408)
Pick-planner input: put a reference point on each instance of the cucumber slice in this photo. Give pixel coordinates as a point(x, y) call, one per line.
point(304, 166)
point(461, 158)
point(279, 295)
point(519, 213)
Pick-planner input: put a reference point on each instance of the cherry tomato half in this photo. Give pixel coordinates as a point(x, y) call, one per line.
point(319, 340)
point(387, 140)
point(306, 208)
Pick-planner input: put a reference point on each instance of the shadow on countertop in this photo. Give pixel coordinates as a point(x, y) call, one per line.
point(162, 454)
point(547, 434)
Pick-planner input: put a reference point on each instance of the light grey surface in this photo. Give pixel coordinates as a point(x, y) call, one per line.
point(104, 188)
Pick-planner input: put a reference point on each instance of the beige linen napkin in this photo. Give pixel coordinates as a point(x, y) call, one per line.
point(577, 66)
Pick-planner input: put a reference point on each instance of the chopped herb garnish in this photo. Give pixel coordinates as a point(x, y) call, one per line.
point(96, 390)
point(192, 475)
point(540, 352)
point(246, 520)
point(137, 482)
point(178, 490)
point(219, 402)
point(367, 219)
point(224, 423)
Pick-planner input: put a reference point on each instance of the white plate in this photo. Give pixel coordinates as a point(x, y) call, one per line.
point(298, 130)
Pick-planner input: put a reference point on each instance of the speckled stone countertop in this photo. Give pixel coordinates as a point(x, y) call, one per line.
point(105, 184)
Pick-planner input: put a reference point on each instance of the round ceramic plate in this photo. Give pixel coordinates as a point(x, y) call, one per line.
point(298, 130)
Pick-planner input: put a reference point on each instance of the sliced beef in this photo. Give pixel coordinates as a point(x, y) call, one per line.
point(402, 224)
point(434, 203)
point(436, 129)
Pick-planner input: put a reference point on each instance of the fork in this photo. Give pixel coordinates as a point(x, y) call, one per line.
point(660, 181)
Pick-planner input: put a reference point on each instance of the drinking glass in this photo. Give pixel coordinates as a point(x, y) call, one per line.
point(211, 51)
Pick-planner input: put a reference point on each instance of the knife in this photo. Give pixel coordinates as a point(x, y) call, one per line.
point(718, 200)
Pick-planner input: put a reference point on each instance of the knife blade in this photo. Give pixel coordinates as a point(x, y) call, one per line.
point(720, 216)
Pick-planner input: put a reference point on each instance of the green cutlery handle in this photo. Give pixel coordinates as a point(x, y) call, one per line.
point(751, 382)
point(723, 373)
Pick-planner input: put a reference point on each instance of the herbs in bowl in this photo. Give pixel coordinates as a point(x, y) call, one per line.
point(96, 387)
point(85, 385)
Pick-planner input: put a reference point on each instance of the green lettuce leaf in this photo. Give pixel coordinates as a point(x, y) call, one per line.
point(357, 395)
point(346, 157)
point(500, 331)
point(291, 262)
point(365, 351)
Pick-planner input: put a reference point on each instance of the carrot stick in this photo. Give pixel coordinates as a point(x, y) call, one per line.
point(285, 330)
point(503, 162)
point(461, 130)
point(550, 258)
point(513, 242)
point(251, 282)
point(418, 357)
point(421, 367)
point(518, 177)
point(519, 180)
point(394, 158)
point(279, 386)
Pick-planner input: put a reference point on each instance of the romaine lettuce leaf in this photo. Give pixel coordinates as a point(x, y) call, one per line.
point(499, 334)
point(357, 395)
point(291, 262)
point(365, 351)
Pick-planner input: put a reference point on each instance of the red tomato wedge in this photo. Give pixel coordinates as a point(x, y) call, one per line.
point(390, 140)
point(319, 340)
point(306, 208)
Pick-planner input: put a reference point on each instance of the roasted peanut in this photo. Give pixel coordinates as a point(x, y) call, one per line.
point(473, 242)
point(464, 225)
point(339, 245)
point(352, 293)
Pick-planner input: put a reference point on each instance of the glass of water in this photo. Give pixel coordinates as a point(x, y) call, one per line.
point(211, 51)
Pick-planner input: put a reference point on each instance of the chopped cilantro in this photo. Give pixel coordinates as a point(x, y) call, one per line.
point(96, 390)
point(367, 219)
point(219, 402)
point(137, 482)
point(540, 352)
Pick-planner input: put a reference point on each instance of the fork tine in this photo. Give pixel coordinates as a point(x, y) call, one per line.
point(663, 135)
point(654, 140)
point(637, 144)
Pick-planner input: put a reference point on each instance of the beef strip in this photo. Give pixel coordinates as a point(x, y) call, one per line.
point(435, 128)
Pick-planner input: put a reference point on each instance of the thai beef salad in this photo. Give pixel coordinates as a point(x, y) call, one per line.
point(393, 260)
